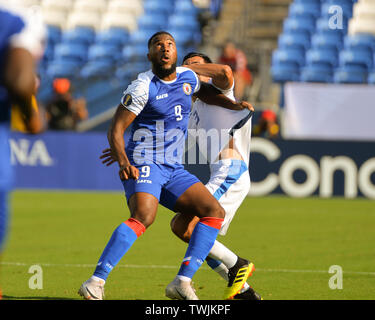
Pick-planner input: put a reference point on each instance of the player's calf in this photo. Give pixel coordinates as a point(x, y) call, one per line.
point(182, 225)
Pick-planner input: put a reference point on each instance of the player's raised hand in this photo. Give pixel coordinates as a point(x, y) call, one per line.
point(246, 105)
point(128, 172)
point(108, 157)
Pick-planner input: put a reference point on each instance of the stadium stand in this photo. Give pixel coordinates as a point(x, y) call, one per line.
point(100, 45)
point(329, 41)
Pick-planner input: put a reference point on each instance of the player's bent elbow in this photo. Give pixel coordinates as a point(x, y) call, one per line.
point(227, 72)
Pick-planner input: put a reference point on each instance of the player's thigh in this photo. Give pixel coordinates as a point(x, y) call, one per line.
point(198, 201)
point(143, 194)
point(143, 207)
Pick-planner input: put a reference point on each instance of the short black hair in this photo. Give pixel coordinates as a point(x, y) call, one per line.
point(157, 34)
point(205, 57)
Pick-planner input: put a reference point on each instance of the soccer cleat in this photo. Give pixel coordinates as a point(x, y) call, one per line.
point(92, 290)
point(238, 275)
point(249, 294)
point(180, 290)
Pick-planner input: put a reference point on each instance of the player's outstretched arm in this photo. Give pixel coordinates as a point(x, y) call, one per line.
point(210, 95)
point(19, 78)
point(221, 74)
point(120, 122)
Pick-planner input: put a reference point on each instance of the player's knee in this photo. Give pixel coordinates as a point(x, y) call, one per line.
point(144, 218)
point(216, 211)
point(220, 212)
point(173, 224)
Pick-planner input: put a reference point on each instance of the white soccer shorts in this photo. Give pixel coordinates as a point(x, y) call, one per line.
point(229, 183)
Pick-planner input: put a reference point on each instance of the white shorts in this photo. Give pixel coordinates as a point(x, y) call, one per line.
point(229, 183)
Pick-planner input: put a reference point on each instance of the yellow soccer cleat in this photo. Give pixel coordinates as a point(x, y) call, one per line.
point(238, 275)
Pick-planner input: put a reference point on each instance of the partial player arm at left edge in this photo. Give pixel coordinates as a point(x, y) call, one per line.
point(210, 95)
point(19, 78)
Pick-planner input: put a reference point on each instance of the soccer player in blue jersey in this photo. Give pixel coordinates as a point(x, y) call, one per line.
point(21, 42)
point(157, 104)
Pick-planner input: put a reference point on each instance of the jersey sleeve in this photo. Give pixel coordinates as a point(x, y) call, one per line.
point(135, 97)
point(33, 35)
point(227, 92)
point(193, 78)
point(198, 82)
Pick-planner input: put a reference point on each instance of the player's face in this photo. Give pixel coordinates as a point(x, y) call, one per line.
point(163, 53)
point(197, 60)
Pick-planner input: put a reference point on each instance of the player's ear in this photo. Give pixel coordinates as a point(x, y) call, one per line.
point(148, 57)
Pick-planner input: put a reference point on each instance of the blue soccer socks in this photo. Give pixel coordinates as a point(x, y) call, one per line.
point(200, 244)
point(121, 240)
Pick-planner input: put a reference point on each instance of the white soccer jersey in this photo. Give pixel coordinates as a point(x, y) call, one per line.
point(218, 122)
point(229, 178)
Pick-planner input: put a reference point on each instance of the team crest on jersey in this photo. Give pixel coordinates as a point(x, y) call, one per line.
point(187, 88)
point(127, 100)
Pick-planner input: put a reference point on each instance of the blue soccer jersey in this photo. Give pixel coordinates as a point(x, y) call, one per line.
point(158, 134)
point(162, 109)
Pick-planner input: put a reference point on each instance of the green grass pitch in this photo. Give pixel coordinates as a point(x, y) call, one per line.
point(292, 242)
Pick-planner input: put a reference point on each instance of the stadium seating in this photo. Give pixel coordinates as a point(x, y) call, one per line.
point(317, 73)
point(25, 3)
point(95, 69)
point(83, 19)
point(356, 57)
point(90, 40)
point(306, 9)
point(361, 41)
point(294, 41)
point(104, 53)
point(113, 36)
point(122, 20)
point(151, 22)
point(57, 5)
point(62, 69)
point(322, 57)
point(327, 40)
point(334, 50)
point(79, 35)
point(350, 74)
point(305, 25)
point(371, 77)
point(133, 7)
point(71, 52)
point(97, 6)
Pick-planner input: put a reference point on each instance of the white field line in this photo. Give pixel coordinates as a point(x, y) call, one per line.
point(135, 266)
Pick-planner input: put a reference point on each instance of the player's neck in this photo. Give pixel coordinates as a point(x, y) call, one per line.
point(165, 77)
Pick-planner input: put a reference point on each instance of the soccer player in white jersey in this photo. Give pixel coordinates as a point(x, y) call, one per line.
point(229, 179)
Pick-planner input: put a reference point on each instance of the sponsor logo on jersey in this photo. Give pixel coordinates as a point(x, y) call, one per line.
point(162, 96)
point(144, 181)
point(187, 88)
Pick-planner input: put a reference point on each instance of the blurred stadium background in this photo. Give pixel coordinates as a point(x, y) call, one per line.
point(312, 64)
